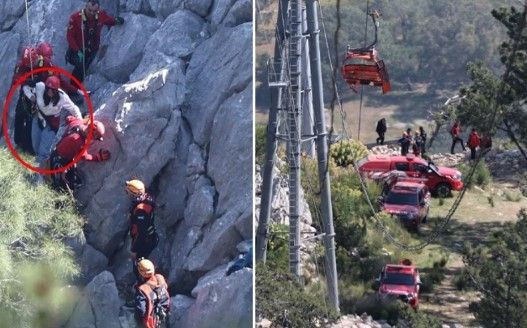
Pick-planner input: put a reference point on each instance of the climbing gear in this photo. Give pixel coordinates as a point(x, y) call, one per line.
point(119, 21)
point(155, 290)
point(363, 65)
point(135, 187)
point(145, 268)
point(29, 56)
point(53, 82)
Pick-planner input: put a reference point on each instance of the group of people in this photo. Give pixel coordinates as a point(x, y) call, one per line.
point(474, 141)
point(50, 125)
point(417, 141)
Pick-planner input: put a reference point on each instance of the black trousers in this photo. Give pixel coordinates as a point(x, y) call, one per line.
point(23, 123)
point(472, 153)
point(66, 180)
point(455, 140)
point(142, 249)
point(80, 67)
point(380, 139)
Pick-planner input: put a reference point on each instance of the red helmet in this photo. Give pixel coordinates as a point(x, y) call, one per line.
point(98, 131)
point(29, 57)
point(45, 50)
point(53, 82)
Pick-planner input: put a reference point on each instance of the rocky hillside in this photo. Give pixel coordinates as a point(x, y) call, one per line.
point(173, 86)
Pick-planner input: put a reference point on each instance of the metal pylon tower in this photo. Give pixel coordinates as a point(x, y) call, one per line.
point(285, 83)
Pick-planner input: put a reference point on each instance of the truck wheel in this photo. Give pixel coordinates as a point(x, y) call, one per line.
point(443, 190)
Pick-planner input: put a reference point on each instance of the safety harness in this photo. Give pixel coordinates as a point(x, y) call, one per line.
point(158, 301)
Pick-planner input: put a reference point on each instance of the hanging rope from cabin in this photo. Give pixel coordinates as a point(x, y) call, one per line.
point(29, 37)
point(362, 87)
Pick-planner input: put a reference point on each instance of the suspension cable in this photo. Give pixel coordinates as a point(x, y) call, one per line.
point(29, 37)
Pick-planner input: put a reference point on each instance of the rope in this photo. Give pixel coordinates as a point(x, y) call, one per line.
point(362, 87)
point(83, 47)
point(29, 36)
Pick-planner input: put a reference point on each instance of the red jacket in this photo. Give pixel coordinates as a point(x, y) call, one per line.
point(70, 145)
point(456, 129)
point(92, 30)
point(473, 140)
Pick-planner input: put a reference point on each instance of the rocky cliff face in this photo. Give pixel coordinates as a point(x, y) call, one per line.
point(174, 87)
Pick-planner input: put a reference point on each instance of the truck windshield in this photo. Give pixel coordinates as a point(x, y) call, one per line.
point(401, 198)
point(433, 167)
point(398, 279)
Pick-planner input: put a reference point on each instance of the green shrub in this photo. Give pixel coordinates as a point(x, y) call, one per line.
point(512, 195)
point(35, 263)
point(278, 247)
point(286, 303)
point(417, 319)
point(482, 176)
point(345, 152)
point(433, 277)
point(259, 140)
point(462, 281)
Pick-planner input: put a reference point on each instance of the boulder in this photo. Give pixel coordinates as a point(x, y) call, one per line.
point(10, 13)
point(179, 306)
point(210, 278)
point(99, 304)
point(219, 10)
point(200, 7)
point(185, 239)
point(209, 310)
point(219, 68)
point(8, 58)
point(139, 148)
point(200, 208)
point(218, 244)
point(163, 8)
point(125, 47)
point(240, 12)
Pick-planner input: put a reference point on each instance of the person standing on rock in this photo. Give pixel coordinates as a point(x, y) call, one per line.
point(142, 229)
point(152, 300)
point(405, 142)
point(84, 36)
point(70, 146)
point(473, 143)
point(381, 130)
point(455, 132)
point(418, 144)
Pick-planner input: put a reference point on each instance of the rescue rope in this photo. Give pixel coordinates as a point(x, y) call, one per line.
point(83, 46)
point(29, 37)
point(362, 86)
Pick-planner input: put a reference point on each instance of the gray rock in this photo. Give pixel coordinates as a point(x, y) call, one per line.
point(125, 49)
point(92, 263)
point(209, 310)
point(184, 241)
point(196, 160)
point(241, 12)
point(220, 67)
point(200, 208)
point(47, 25)
point(243, 247)
point(139, 147)
point(232, 174)
point(210, 278)
point(219, 10)
point(10, 13)
point(218, 245)
point(200, 7)
point(99, 304)
point(244, 223)
point(8, 58)
point(179, 305)
point(163, 8)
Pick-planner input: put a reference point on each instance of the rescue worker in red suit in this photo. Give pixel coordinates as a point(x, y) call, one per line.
point(152, 301)
point(84, 36)
point(25, 106)
point(473, 143)
point(455, 132)
point(70, 146)
point(142, 229)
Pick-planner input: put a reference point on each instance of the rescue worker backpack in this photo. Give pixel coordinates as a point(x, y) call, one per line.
point(158, 301)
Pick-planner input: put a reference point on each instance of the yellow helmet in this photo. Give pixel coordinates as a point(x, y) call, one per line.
point(145, 268)
point(135, 187)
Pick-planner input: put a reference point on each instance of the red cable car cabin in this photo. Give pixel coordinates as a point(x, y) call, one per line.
point(363, 66)
point(369, 70)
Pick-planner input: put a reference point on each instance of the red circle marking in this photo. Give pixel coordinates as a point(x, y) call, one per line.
point(89, 137)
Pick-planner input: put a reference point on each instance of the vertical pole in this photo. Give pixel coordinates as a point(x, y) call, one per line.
point(293, 123)
point(322, 154)
point(270, 144)
point(307, 108)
